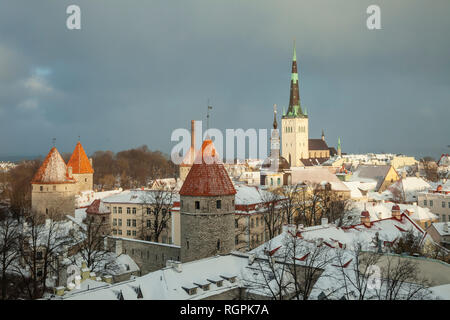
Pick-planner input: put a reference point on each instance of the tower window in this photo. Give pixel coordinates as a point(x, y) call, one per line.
point(85, 179)
point(218, 244)
point(187, 244)
point(41, 188)
point(197, 205)
point(219, 204)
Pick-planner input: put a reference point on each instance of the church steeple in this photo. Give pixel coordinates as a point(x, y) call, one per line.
point(294, 109)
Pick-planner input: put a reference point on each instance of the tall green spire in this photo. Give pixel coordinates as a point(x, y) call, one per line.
point(339, 143)
point(294, 109)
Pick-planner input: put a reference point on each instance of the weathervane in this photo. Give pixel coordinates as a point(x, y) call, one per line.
point(207, 115)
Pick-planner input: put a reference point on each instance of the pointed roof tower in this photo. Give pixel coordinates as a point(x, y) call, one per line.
point(79, 161)
point(207, 176)
point(294, 109)
point(53, 170)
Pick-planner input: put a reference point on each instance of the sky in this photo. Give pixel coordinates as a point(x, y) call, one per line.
point(137, 70)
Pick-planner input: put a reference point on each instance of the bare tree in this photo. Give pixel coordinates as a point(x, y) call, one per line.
point(273, 217)
point(156, 212)
point(42, 242)
point(9, 253)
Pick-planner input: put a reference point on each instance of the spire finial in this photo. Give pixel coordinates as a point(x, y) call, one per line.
point(207, 118)
point(294, 57)
point(54, 142)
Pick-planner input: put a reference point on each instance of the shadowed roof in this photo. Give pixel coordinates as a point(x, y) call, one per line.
point(207, 176)
point(53, 170)
point(317, 144)
point(79, 161)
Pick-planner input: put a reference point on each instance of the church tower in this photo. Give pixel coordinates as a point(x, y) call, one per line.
point(206, 208)
point(294, 123)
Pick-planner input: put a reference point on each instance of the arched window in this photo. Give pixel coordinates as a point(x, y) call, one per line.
point(218, 244)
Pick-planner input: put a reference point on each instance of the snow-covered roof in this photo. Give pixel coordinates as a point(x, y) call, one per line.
point(409, 187)
point(317, 175)
point(86, 197)
point(139, 196)
point(169, 284)
point(383, 210)
point(439, 226)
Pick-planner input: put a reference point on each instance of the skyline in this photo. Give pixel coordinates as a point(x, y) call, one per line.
point(379, 91)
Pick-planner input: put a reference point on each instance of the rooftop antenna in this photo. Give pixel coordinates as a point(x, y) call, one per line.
point(207, 116)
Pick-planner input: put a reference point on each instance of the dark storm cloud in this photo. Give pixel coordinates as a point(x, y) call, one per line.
point(139, 69)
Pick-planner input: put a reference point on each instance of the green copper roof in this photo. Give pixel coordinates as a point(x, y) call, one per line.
point(339, 143)
point(284, 112)
point(294, 77)
point(305, 112)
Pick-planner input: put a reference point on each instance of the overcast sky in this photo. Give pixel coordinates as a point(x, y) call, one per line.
point(137, 70)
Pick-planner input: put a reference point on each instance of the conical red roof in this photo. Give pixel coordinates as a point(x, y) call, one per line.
point(207, 176)
point(53, 170)
point(79, 161)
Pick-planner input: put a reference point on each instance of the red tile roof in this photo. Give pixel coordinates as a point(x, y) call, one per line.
point(98, 207)
point(53, 170)
point(207, 176)
point(79, 161)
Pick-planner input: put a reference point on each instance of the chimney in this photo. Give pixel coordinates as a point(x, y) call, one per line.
point(365, 218)
point(445, 227)
point(69, 171)
point(59, 291)
point(396, 212)
point(324, 221)
point(107, 279)
point(251, 258)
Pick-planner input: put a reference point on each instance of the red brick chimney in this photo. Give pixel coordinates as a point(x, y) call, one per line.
point(365, 218)
point(396, 211)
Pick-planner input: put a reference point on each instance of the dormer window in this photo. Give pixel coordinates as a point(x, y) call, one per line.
point(190, 290)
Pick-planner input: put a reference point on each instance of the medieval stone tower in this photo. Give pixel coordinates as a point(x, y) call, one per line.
point(53, 188)
point(206, 208)
point(294, 123)
point(81, 168)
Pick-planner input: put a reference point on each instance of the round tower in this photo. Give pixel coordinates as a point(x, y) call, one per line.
point(53, 188)
point(82, 169)
point(206, 208)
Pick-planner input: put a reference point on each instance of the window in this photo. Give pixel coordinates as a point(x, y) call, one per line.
point(236, 240)
point(147, 238)
point(114, 209)
point(218, 244)
point(120, 209)
point(149, 224)
point(134, 222)
point(39, 255)
point(114, 231)
point(120, 222)
point(134, 210)
point(426, 224)
point(119, 232)
point(271, 181)
point(197, 205)
point(114, 222)
point(85, 179)
point(128, 210)
point(219, 204)
point(128, 222)
point(181, 202)
point(279, 181)
point(187, 244)
point(134, 233)
point(236, 223)
point(41, 188)
point(443, 204)
point(431, 203)
point(425, 203)
point(128, 232)
point(149, 210)
point(252, 223)
point(257, 221)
